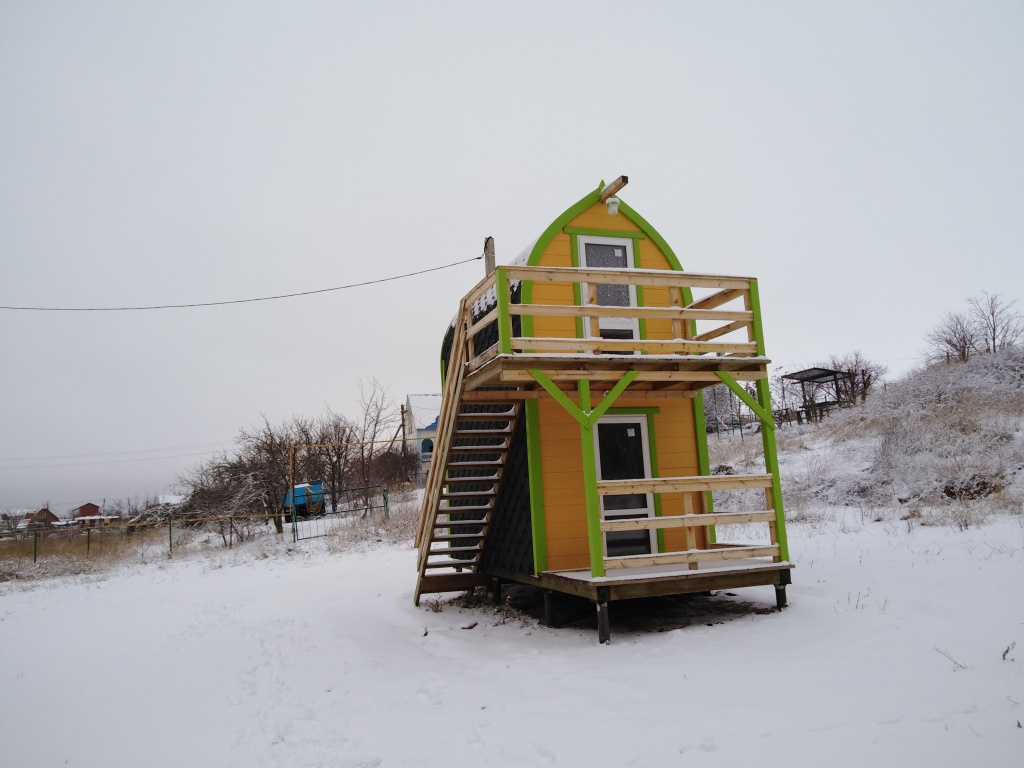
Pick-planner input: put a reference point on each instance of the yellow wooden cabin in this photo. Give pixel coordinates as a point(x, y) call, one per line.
point(571, 452)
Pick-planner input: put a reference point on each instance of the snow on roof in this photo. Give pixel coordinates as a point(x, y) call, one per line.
point(424, 410)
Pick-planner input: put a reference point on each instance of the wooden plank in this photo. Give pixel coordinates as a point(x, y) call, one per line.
point(690, 534)
point(645, 277)
point(483, 358)
point(469, 433)
point(651, 346)
point(682, 484)
point(452, 582)
point(647, 312)
point(690, 556)
point(714, 334)
point(484, 321)
point(718, 299)
point(602, 374)
point(612, 188)
point(693, 520)
point(467, 564)
point(480, 289)
point(449, 550)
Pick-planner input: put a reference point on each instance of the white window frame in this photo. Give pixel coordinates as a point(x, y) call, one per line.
point(645, 441)
point(608, 323)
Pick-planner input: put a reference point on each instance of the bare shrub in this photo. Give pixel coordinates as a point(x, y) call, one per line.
point(397, 528)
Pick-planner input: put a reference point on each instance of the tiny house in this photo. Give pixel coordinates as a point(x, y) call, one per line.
point(571, 451)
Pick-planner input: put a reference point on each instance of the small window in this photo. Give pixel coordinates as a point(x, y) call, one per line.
point(609, 253)
point(427, 446)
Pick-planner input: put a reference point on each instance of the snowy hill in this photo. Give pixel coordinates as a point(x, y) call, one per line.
point(903, 642)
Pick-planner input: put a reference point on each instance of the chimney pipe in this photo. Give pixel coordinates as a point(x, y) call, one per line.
point(489, 255)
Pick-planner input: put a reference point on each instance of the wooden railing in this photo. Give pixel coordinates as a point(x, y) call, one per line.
point(689, 521)
point(442, 443)
point(675, 316)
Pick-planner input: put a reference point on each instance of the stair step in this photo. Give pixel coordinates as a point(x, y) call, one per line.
point(468, 563)
point(468, 433)
point(450, 550)
point(458, 536)
point(467, 508)
point(475, 464)
point(482, 523)
point(471, 479)
point(501, 447)
point(451, 582)
point(468, 495)
point(508, 416)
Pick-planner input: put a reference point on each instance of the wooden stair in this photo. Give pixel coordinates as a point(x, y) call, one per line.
point(463, 483)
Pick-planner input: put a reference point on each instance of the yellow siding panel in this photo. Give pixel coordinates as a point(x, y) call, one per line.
point(651, 256)
point(597, 217)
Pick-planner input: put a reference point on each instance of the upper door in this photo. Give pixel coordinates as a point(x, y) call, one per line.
point(608, 253)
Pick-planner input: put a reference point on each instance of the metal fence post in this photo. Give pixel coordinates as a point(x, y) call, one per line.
point(385, 503)
point(35, 545)
point(170, 538)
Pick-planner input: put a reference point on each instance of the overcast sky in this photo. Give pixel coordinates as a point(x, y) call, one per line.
point(864, 160)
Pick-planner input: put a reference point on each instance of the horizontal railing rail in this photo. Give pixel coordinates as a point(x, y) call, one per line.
point(669, 308)
point(693, 557)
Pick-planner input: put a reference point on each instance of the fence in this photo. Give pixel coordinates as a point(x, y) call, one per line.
point(336, 515)
point(172, 531)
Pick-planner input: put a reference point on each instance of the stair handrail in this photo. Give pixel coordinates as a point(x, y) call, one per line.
point(445, 426)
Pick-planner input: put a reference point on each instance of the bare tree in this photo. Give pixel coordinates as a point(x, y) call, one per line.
point(378, 420)
point(861, 375)
point(956, 337)
point(996, 321)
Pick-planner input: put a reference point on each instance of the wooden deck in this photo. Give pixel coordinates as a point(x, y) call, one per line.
point(672, 374)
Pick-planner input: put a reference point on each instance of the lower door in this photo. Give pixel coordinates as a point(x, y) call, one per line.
point(623, 453)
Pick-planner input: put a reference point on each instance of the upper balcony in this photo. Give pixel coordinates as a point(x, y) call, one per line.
point(675, 330)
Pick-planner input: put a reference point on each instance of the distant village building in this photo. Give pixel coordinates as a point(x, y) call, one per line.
point(40, 518)
point(421, 412)
point(89, 515)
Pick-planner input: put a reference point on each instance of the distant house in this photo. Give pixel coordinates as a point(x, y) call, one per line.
point(421, 412)
point(86, 515)
point(11, 518)
point(40, 518)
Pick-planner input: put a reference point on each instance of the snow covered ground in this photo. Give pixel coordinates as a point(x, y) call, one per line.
point(891, 653)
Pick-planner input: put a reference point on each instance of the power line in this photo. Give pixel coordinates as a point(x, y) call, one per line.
point(131, 452)
point(103, 463)
point(241, 301)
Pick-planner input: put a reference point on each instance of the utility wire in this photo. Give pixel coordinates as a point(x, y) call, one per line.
point(21, 467)
point(241, 301)
point(131, 452)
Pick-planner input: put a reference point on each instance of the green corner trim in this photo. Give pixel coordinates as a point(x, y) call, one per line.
point(611, 397)
point(559, 396)
point(583, 413)
point(771, 463)
point(538, 522)
point(504, 319)
point(577, 293)
point(595, 538)
point(652, 451)
point(703, 459)
point(755, 309)
point(767, 422)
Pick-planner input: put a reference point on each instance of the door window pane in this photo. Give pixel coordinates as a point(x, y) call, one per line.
point(622, 458)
